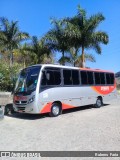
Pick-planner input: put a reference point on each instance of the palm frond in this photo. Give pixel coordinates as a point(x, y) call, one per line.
point(101, 37)
point(94, 21)
point(90, 57)
point(64, 59)
point(97, 48)
point(81, 13)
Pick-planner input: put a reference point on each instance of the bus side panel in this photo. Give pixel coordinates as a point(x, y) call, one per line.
point(73, 96)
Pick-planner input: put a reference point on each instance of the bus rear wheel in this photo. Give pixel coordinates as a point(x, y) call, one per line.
point(99, 103)
point(55, 110)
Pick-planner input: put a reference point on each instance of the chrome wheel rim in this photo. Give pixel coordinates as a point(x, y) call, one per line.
point(55, 110)
point(99, 102)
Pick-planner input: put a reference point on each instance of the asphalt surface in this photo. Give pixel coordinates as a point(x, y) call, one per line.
point(82, 129)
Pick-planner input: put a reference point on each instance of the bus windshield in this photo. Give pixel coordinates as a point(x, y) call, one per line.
point(27, 79)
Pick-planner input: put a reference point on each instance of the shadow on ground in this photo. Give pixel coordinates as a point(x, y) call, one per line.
point(26, 116)
point(82, 108)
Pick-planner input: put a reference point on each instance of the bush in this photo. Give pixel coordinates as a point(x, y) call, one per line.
point(8, 76)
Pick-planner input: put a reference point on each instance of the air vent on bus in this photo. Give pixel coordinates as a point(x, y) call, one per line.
point(21, 108)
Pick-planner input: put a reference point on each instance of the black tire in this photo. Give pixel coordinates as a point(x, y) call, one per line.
point(55, 110)
point(99, 103)
point(9, 109)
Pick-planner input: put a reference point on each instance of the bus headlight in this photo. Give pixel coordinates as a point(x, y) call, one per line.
point(31, 99)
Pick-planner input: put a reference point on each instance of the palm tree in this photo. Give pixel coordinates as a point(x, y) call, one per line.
point(57, 38)
point(22, 54)
point(64, 59)
point(38, 50)
point(48, 59)
point(11, 36)
point(76, 57)
point(86, 36)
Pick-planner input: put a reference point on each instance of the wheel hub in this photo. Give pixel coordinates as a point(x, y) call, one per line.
point(55, 110)
point(99, 102)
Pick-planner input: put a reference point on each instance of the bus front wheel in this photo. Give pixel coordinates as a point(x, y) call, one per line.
point(99, 103)
point(55, 110)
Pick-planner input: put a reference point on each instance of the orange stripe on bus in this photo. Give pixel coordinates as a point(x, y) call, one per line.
point(95, 70)
point(47, 107)
point(104, 90)
point(67, 106)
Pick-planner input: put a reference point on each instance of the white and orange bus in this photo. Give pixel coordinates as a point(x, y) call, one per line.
point(52, 88)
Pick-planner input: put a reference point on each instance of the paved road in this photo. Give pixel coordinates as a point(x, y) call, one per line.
point(85, 129)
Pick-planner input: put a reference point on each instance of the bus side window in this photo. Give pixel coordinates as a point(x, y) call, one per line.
point(97, 78)
point(75, 77)
point(112, 78)
point(67, 77)
point(57, 77)
point(102, 78)
point(84, 77)
point(107, 78)
point(43, 82)
point(50, 77)
point(90, 78)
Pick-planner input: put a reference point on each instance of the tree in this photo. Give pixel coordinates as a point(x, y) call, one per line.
point(76, 57)
point(11, 36)
point(39, 51)
point(86, 35)
point(22, 54)
point(7, 84)
point(57, 38)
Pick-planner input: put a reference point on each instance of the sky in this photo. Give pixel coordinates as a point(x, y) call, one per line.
point(34, 18)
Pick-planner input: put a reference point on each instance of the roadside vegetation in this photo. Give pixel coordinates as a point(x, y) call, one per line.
point(70, 38)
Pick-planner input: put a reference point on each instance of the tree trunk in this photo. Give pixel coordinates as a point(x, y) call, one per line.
point(83, 58)
point(11, 59)
point(75, 54)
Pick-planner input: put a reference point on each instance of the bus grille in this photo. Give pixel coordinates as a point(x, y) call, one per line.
point(21, 108)
point(21, 102)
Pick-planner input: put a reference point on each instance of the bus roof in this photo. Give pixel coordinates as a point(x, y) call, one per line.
point(70, 67)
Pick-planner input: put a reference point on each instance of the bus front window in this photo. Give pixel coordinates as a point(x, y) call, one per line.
point(27, 79)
